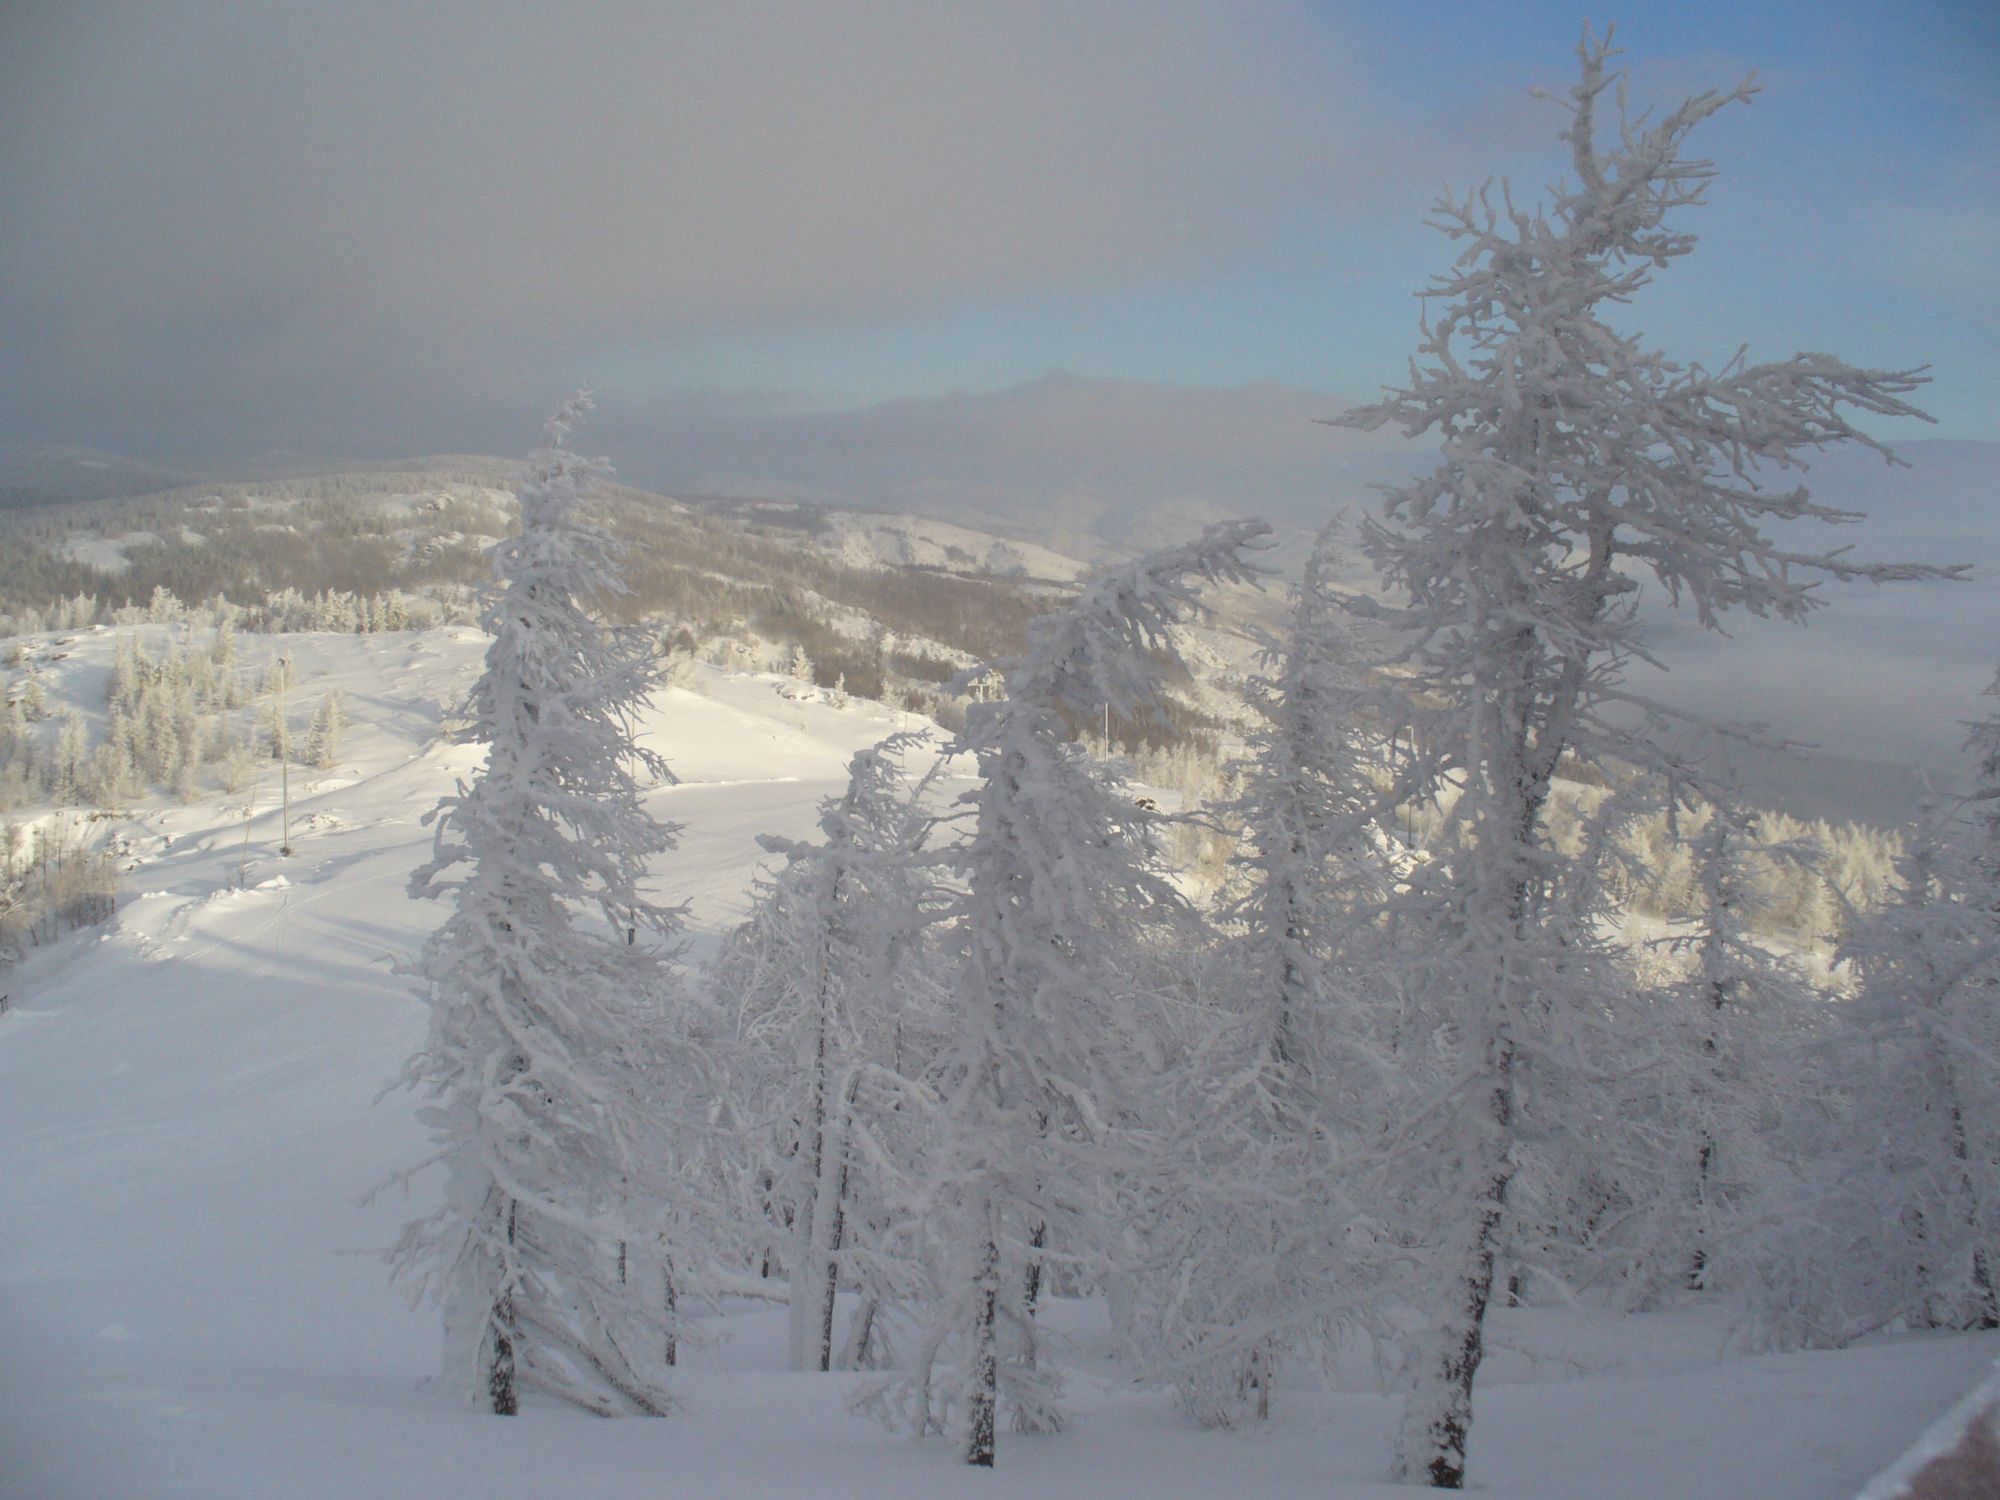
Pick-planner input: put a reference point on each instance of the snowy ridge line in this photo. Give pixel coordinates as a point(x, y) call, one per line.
point(1956, 1458)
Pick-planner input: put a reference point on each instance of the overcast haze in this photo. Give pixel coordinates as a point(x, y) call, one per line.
point(312, 226)
point(371, 228)
point(970, 258)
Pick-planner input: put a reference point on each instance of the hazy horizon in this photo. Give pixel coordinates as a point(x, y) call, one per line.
point(1035, 265)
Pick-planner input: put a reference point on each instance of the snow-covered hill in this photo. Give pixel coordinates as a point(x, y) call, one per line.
point(862, 537)
point(189, 1119)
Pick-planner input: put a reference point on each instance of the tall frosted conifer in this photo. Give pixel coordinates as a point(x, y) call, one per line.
point(1575, 463)
point(1251, 1204)
point(840, 1018)
point(1910, 1196)
point(1060, 869)
point(541, 1002)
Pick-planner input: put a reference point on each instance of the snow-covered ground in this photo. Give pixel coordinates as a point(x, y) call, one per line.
point(869, 539)
point(190, 1305)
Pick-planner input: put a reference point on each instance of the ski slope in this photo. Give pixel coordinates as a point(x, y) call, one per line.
point(190, 1303)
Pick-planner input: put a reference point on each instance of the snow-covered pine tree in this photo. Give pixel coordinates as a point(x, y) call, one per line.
point(1914, 1184)
point(1248, 1212)
point(127, 672)
point(1309, 809)
point(838, 1009)
point(70, 767)
point(1060, 870)
point(323, 733)
point(541, 1005)
point(1575, 461)
point(222, 650)
point(1719, 1115)
point(1739, 1007)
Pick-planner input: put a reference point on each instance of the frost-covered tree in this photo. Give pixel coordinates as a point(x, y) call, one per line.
point(1719, 1097)
point(222, 652)
point(1060, 873)
point(323, 733)
point(541, 1002)
point(1309, 808)
point(1576, 462)
point(127, 671)
point(70, 768)
point(838, 1011)
point(1910, 1195)
point(1738, 1010)
point(1249, 1205)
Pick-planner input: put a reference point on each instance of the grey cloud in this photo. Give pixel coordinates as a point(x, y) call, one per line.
point(1089, 462)
point(298, 220)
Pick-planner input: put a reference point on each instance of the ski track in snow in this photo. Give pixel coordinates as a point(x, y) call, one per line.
point(191, 1304)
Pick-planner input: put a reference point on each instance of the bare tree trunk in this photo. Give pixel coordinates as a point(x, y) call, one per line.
point(983, 1395)
point(1031, 1280)
point(670, 1303)
point(807, 1262)
point(860, 1337)
point(1697, 1277)
point(1258, 1371)
point(1438, 1420)
point(828, 1288)
point(765, 1187)
point(501, 1393)
point(1982, 1278)
point(1987, 1314)
point(500, 1362)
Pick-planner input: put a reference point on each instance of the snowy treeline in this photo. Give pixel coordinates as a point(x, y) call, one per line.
point(178, 719)
point(362, 551)
point(53, 879)
point(969, 1056)
point(284, 611)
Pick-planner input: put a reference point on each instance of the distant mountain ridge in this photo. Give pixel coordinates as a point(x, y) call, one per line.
point(1883, 678)
point(34, 474)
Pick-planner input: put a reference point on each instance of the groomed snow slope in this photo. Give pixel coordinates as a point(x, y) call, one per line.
point(189, 1305)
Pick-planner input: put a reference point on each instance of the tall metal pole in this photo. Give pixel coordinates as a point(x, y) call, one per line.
point(285, 756)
